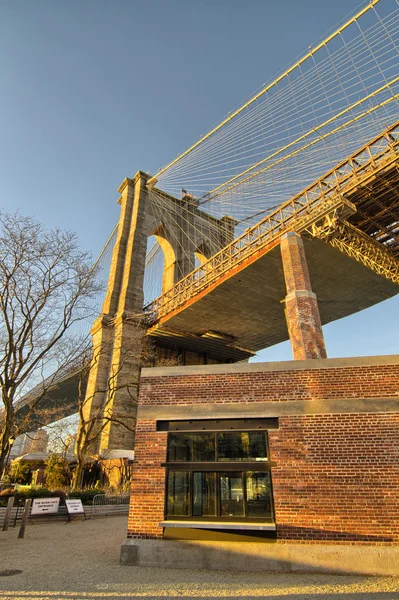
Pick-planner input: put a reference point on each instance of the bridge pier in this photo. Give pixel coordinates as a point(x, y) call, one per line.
point(112, 389)
point(301, 307)
point(97, 383)
point(113, 384)
point(123, 388)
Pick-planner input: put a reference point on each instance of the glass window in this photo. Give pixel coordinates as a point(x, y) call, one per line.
point(245, 445)
point(204, 494)
point(197, 447)
point(231, 495)
point(218, 490)
point(231, 445)
point(178, 500)
point(258, 494)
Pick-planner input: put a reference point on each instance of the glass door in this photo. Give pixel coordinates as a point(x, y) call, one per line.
point(231, 495)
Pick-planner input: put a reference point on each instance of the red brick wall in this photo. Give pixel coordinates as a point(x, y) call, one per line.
point(342, 382)
point(336, 476)
point(147, 500)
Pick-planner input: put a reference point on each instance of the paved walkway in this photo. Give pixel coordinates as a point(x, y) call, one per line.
point(81, 560)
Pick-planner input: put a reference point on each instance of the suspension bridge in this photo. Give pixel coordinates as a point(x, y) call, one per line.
point(282, 218)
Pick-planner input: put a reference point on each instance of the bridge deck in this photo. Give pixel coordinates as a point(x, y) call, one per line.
point(234, 300)
point(234, 309)
point(247, 306)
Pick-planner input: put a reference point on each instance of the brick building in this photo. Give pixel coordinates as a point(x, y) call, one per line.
point(292, 465)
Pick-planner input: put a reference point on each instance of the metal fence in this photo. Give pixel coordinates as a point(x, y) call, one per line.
point(103, 505)
point(110, 504)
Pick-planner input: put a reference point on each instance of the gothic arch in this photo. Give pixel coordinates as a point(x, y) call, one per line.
point(203, 252)
point(168, 276)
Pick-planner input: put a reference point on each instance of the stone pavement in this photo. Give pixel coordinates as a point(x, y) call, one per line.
point(81, 560)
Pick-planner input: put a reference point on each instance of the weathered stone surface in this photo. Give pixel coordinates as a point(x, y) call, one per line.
point(301, 308)
point(113, 385)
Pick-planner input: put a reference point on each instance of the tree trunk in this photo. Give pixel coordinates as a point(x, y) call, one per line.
point(5, 445)
point(8, 426)
point(77, 475)
point(3, 461)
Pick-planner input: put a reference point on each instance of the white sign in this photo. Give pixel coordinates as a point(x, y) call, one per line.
point(45, 506)
point(74, 506)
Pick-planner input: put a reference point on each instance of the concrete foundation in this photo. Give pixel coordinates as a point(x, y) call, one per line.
point(273, 557)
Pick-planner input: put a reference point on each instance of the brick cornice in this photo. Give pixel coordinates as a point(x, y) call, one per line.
point(291, 365)
point(242, 410)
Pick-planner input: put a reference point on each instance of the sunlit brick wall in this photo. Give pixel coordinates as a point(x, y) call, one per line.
point(336, 476)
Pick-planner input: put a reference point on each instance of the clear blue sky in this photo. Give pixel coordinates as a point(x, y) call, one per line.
point(93, 90)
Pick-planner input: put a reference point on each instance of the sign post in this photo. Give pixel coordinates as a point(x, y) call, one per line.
point(7, 517)
point(45, 506)
point(75, 507)
point(25, 518)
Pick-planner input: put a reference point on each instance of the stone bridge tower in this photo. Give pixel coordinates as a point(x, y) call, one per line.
point(117, 334)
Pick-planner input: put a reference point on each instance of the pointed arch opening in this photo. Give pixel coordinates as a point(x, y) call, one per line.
point(159, 275)
point(168, 275)
point(202, 254)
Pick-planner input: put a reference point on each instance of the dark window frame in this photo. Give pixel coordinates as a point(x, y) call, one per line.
point(206, 425)
point(217, 460)
point(220, 467)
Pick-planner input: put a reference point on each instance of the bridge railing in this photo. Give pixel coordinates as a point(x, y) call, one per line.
point(321, 198)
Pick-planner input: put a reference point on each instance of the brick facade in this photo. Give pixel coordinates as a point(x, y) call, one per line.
point(336, 476)
point(147, 500)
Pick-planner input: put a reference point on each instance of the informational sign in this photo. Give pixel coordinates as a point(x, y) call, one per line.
point(74, 507)
point(45, 506)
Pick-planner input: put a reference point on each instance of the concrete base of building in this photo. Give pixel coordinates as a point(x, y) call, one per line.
point(273, 557)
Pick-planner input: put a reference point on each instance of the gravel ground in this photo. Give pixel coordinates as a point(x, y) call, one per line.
point(81, 560)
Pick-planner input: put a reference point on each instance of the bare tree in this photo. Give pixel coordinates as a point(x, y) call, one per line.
point(93, 423)
point(62, 435)
point(142, 352)
point(47, 286)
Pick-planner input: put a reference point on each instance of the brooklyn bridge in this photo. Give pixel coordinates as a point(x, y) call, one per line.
point(281, 219)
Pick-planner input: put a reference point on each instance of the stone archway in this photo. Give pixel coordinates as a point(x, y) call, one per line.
point(168, 275)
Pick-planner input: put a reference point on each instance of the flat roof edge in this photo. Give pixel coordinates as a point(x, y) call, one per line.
point(258, 367)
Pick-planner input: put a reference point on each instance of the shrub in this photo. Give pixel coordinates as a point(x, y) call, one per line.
point(38, 492)
point(56, 471)
point(25, 492)
point(86, 496)
point(20, 472)
point(5, 494)
point(29, 492)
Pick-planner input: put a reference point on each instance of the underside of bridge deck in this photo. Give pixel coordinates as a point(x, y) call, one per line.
point(377, 209)
point(246, 309)
point(243, 311)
